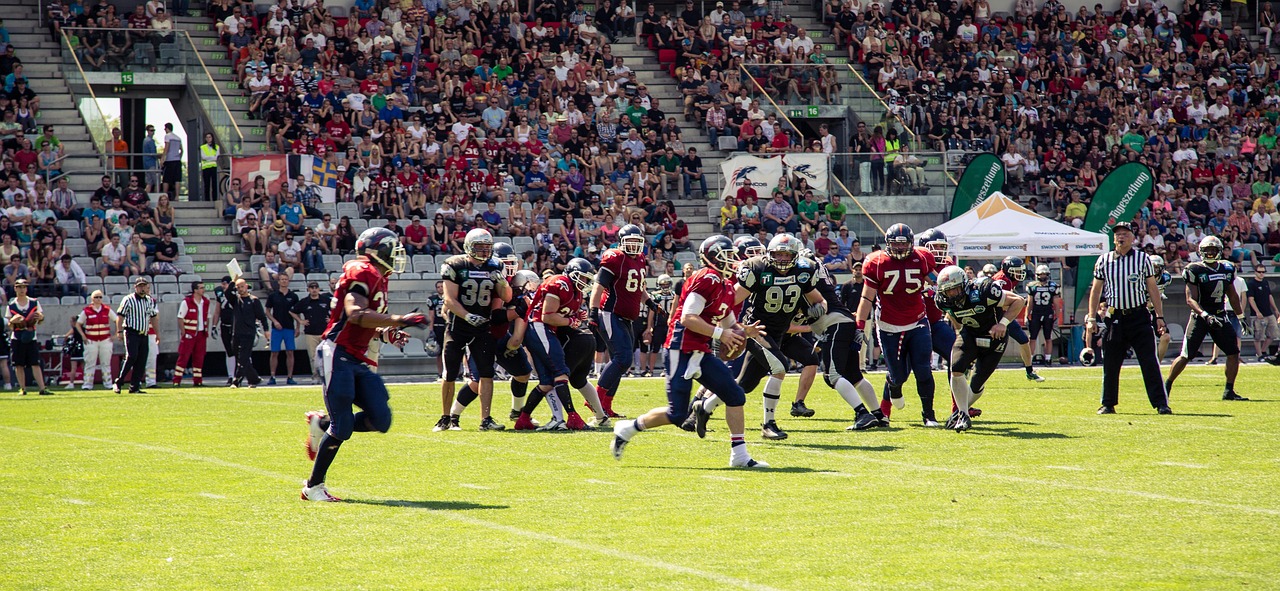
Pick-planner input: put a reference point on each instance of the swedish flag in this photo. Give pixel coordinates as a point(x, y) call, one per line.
point(324, 174)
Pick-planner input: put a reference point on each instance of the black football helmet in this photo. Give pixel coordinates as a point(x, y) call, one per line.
point(1014, 268)
point(717, 252)
point(934, 240)
point(581, 272)
point(631, 240)
point(899, 241)
point(510, 260)
point(383, 247)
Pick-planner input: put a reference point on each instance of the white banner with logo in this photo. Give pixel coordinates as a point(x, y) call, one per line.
point(761, 173)
point(810, 166)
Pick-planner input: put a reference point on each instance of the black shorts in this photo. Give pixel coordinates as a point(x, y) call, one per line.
point(25, 353)
point(638, 337)
point(475, 342)
point(982, 353)
point(1224, 336)
point(172, 172)
point(773, 357)
point(1035, 324)
point(837, 352)
point(4, 348)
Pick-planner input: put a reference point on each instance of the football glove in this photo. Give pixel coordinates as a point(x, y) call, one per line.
point(415, 319)
point(595, 317)
point(395, 337)
point(817, 310)
point(476, 320)
point(1214, 321)
point(859, 339)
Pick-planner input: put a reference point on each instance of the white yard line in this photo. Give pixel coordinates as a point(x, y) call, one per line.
point(1182, 465)
point(641, 560)
point(473, 486)
point(209, 495)
point(77, 502)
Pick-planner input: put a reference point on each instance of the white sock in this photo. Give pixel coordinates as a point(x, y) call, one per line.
point(738, 447)
point(457, 408)
point(772, 393)
point(599, 367)
point(518, 403)
point(862, 393)
point(593, 398)
point(960, 391)
point(231, 366)
point(867, 393)
point(626, 430)
point(711, 403)
point(974, 396)
point(557, 409)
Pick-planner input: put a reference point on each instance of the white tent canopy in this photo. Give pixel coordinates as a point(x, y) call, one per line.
point(999, 227)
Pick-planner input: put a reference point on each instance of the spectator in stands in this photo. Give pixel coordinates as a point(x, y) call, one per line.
point(289, 252)
point(271, 271)
point(291, 212)
point(115, 258)
point(70, 277)
point(165, 261)
point(14, 271)
point(779, 214)
point(312, 254)
point(730, 221)
point(327, 234)
point(346, 236)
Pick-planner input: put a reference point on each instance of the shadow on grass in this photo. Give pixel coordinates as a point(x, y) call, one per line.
point(428, 505)
point(838, 446)
point(1015, 433)
point(774, 470)
point(1177, 414)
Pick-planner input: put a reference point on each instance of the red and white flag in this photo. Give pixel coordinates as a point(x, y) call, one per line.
point(273, 168)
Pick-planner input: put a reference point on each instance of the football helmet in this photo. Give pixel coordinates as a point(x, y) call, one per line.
point(510, 260)
point(581, 272)
point(899, 241)
point(478, 245)
point(383, 247)
point(664, 282)
point(988, 270)
point(748, 247)
point(783, 251)
point(951, 284)
point(717, 253)
point(631, 240)
point(1211, 249)
point(1157, 262)
point(1014, 268)
point(1042, 273)
point(934, 240)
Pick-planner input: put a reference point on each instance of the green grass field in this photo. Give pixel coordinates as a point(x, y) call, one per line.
point(198, 489)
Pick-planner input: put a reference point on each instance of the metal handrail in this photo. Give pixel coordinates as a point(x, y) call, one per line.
point(93, 98)
point(915, 141)
point(209, 75)
point(783, 114)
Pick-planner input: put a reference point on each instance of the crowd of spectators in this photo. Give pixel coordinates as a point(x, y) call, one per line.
point(1064, 97)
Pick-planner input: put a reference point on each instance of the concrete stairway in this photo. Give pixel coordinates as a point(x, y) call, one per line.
point(208, 238)
point(42, 62)
point(215, 58)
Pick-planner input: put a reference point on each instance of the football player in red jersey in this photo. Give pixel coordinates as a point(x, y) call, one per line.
point(896, 277)
point(703, 313)
point(616, 299)
point(555, 311)
point(349, 375)
point(1012, 272)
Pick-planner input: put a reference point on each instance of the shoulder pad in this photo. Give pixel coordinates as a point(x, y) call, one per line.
point(804, 263)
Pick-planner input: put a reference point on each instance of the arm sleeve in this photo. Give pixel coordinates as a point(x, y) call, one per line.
point(694, 303)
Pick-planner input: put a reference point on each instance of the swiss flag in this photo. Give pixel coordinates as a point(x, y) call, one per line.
point(273, 168)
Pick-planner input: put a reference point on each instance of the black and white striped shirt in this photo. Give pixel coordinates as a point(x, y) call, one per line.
point(1124, 278)
point(138, 311)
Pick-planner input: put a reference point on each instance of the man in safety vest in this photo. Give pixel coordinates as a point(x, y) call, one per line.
point(94, 324)
point(195, 314)
point(209, 168)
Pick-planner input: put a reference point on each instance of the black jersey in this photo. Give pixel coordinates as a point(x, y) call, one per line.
point(979, 309)
point(1041, 295)
point(436, 303)
point(831, 292)
point(662, 313)
point(1213, 280)
point(226, 312)
point(477, 282)
point(776, 295)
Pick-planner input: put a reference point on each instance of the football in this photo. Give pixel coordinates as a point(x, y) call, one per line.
point(18, 324)
point(727, 354)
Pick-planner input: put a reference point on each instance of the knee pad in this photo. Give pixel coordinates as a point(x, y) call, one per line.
point(381, 421)
point(341, 427)
point(829, 376)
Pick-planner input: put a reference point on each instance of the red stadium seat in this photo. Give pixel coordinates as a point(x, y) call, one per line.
point(666, 56)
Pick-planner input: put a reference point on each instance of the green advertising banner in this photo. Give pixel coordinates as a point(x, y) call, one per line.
point(1119, 198)
point(983, 176)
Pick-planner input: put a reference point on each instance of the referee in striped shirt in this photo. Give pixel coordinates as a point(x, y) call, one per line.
point(138, 311)
point(1126, 278)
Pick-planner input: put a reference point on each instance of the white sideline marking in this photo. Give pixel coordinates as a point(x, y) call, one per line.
point(1182, 465)
point(77, 502)
point(472, 486)
point(1071, 468)
point(836, 474)
point(721, 478)
point(209, 495)
point(644, 561)
point(604, 482)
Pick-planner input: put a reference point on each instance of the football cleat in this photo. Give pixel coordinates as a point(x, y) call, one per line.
point(1164, 410)
point(617, 446)
point(454, 425)
point(441, 425)
point(798, 409)
point(515, 415)
point(701, 417)
point(962, 423)
point(951, 421)
point(1106, 410)
point(599, 423)
point(748, 463)
point(975, 412)
point(771, 430)
point(554, 425)
point(314, 433)
point(1033, 376)
point(318, 493)
point(488, 424)
point(524, 423)
point(931, 423)
point(574, 422)
point(884, 420)
point(1231, 395)
point(864, 422)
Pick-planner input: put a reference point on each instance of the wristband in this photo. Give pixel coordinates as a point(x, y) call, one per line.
point(715, 334)
point(1204, 315)
point(1159, 317)
point(1005, 322)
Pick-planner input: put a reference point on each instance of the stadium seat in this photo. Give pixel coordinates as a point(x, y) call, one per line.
point(415, 348)
point(331, 261)
point(1176, 332)
point(71, 227)
point(77, 247)
point(71, 300)
point(424, 263)
point(321, 277)
point(390, 352)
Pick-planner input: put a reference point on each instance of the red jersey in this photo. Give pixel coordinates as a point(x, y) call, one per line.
point(900, 283)
point(561, 287)
point(718, 293)
point(360, 277)
point(625, 295)
point(1003, 281)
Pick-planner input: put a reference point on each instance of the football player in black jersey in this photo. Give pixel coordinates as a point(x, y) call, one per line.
point(473, 285)
point(1209, 288)
point(1163, 279)
point(838, 349)
point(980, 310)
point(1041, 293)
point(435, 312)
point(774, 287)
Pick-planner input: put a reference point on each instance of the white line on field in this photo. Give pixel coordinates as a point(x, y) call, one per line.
point(209, 495)
point(77, 502)
point(1071, 468)
point(721, 478)
point(1182, 465)
point(604, 482)
point(472, 486)
point(644, 561)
